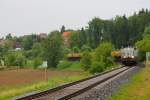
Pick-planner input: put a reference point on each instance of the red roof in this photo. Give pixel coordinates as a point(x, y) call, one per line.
point(66, 34)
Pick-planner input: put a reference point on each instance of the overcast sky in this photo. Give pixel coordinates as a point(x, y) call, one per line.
point(21, 17)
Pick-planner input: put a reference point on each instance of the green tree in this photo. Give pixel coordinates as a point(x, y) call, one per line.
point(82, 37)
point(73, 39)
point(37, 62)
point(76, 50)
point(86, 60)
point(37, 50)
point(95, 32)
point(20, 60)
point(86, 48)
point(9, 37)
point(97, 67)
point(62, 29)
point(144, 44)
point(121, 31)
point(147, 31)
point(28, 41)
point(101, 57)
point(10, 59)
point(53, 48)
point(104, 49)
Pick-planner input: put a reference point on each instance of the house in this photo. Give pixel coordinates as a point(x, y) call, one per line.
point(42, 35)
point(16, 46)
point(2, 42)
point(65, 36)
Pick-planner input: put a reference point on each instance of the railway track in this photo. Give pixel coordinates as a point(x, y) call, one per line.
point(71, 90)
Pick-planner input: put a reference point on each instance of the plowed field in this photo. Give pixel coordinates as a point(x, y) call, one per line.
point(27, 76)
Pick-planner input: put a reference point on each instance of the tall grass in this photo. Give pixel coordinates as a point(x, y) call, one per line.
point(138, 87)
point(7, 93)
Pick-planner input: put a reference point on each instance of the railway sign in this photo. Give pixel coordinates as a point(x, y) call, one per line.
point(44, 65)
point(147, 58)
point(147, 54)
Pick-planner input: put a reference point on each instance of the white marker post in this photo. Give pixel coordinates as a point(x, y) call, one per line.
point(147, 58)
point(44, 65)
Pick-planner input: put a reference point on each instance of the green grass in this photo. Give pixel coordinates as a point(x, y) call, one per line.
point(7, 93)
point(138, 87)
point(76, 66)
point(70, 66)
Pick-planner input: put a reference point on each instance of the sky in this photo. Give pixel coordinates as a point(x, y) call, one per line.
point(20, 17)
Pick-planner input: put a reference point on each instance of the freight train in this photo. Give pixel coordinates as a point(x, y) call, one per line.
point(127, 56)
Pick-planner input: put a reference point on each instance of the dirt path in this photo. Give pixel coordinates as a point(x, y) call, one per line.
point(23, 76)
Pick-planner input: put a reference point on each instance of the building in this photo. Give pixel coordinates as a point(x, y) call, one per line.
point(2, 42)
point(16, 46)
point(42, 35)
point(65, 36)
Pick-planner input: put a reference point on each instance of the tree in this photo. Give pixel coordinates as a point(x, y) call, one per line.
point(86, 60)
point(37, 50)
point(101, 57)
point(62, 29)
point(53, 49)
point(86, 48)
point(73, 39)
point(37, 62)
point(10, 59)
point(147, 31)
point(8, 37)
point(28, 41)
point(97, 67)
point(144, 44)
point(76, 50)
point(82, 37)
point(95, 32)
point(104, 49)
point(20, 60)
point(121, 31)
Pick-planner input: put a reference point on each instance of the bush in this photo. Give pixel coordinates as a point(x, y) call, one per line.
point(76, 50)
point(37, 62)
point(64, 64)
point(97, 67)
point(20, 60)
point(108, 62)
point(86, 60)
point(104, 49)
point(15, 59)
point(101, 58)
point(10, 59)
point(86, 48)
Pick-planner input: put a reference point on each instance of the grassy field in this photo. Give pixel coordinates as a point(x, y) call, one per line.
point(21, 81)
point(138, 87)
point(7, 93)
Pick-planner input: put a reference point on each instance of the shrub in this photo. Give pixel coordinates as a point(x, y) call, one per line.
point(86, 48)
point(37, 62)
point(76, 50)
point(64, 64)
point(20, 60)
point(10, 59)
point(97, 67)
point(104, 49)
point(86, 60)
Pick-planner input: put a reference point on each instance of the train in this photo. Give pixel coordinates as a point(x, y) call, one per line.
point(127, 56)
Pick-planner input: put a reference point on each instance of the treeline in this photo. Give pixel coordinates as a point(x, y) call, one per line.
point(121, 30)
point(94, 42)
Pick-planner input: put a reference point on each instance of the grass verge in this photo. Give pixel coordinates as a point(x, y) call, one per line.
point(7, 93)
point(138, 87)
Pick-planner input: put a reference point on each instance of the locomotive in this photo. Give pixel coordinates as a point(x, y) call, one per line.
point(127, 56)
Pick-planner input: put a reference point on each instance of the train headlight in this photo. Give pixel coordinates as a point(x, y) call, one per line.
point(132, 56)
